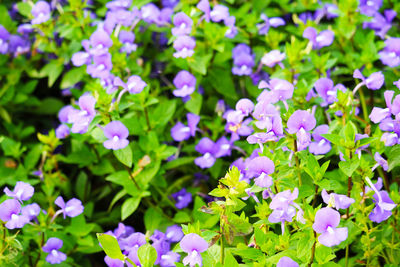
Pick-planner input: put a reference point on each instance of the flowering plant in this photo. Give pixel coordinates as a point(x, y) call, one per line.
point(204, 133)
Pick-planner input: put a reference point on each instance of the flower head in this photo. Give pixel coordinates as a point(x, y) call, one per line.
point(117, 135)
point(22, 191)
point(185, 84)
point(184, 46)
point(193, 244)
point(72, 208)
point(326, 222)
point(52, 247)
point(183, 24)
point(182, 198)
point(41, 12)
point(324, 38)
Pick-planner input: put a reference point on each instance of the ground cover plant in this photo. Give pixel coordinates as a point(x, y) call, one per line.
point(199, 133)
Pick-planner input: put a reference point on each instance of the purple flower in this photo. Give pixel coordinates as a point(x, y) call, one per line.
point(383, 208)
point(185, 84)
point(100, 42)
point(263, 28)
point(300, 123)
point(286, 262)
point(119, 4)
point(193, 244)
point(390, 55)
point(370, 7)
point(18, 45)
point(62, 131)
point(261, 168)
point(101, 66)
point(373, 82)
point(211, 151)
point(182, 198)
point(174, 233)
point(245, 105)
point(243, 64)
point(168, 259)
point(81, 119)
point(127, 38)
point(133, 241)
point(182, 132)
point(381, 23)
point(117, 135)
point(52, 246)
point(183, 24)
point(272, 58)
point(337, 201)
point(134, 85)
point(22, 191)
point(326, 222)
point(150, 13)
point(41, 12)
point(71, 209)
point(204, 6)
point(184, 46)
point(113, 262)
point(326, 89)
point(4, 36)
point(324, 38)
point(280, 90)
point(232, 30)
point(284, 208)
point(9, 208)
point(219, 13)
point(320, 146)
point(31, 211)
point(380, 161)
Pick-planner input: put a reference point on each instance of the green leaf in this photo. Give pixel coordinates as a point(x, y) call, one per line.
point(53, 71)
point(110, 246)
point(230, 261)
point(393, 157)
point(24, 9)
point(199, 63)
point(147, 255)
point(124, 156)
point(129, 207)
point(333, 138)
point(222, 81)
point(194, 103)
point(323, 254)
point(72, 77)
point(349, 167)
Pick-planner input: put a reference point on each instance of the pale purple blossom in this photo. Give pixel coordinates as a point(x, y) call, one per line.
point(71, 209)
point(326, 223)
point(182, 198)
point(324, 38)
point(320, 146)
point(81, 119)
point(337, 201)
point(52, 247)
point(193, 244)
point(219, 13)
point(272, 58)
point(390, 55)
point(300, 123)
point(373, 82)
point(286, 262)
point(182, 132)
point(260, 168)
point(134, 85)
point(183, 24)
point(41, 12)
point(185, 84)
point(274, 22)
point(117, 135)
point(184, 46)
point(22, 191)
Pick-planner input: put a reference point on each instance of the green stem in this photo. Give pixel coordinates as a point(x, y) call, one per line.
point(222, 250)
point(296, 158)
point(146, 114)
point(347, 256)
point(363, 104)
point(313, 250)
